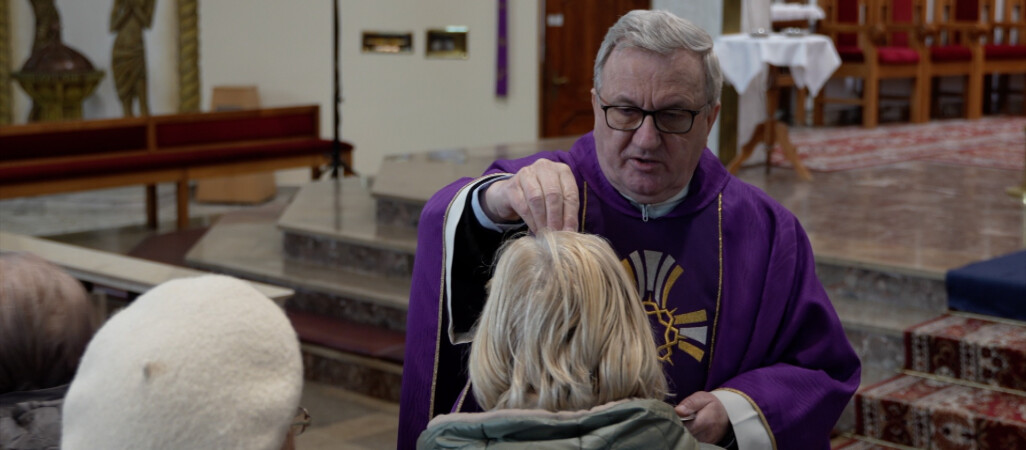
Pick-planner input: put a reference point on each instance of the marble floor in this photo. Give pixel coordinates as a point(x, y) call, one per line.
point(913, 216)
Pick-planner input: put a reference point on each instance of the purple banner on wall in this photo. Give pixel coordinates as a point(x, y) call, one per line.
point(501, 58)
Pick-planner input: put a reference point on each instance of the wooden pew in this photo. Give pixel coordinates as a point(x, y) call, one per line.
point(132, 276)
point(50, 158)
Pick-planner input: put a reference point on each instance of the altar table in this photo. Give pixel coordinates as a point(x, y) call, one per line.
point(810, 58)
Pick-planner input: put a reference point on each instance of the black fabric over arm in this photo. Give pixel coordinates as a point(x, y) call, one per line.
point(472, 261)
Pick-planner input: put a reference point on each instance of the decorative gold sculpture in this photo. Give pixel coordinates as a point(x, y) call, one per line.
point(128, 60)
point(188, 56)
point(6, 117)
point(56, 76)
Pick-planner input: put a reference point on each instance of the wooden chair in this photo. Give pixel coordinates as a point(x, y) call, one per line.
point(953, 49)
point(877, 40)
point(1004, 48)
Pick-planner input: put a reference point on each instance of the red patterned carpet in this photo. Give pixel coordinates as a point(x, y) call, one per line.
point(962, 389)
point(992, 142)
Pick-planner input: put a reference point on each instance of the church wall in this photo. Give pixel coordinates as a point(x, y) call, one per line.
point(392, 103)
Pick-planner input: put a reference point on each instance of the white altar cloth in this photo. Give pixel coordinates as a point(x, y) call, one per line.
point(811, 58)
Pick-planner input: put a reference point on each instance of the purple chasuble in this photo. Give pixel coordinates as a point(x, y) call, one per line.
point(727, 279)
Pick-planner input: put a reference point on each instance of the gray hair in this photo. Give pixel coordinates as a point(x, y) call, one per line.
point(663, 33)
point(46, 321)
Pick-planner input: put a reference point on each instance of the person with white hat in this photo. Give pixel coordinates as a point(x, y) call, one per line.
point(205, 362)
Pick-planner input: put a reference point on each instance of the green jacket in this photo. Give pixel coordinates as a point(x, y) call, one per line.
point(628, 424)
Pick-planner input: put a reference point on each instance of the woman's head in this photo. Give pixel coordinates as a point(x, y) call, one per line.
point(562, 329)
point(46, 321)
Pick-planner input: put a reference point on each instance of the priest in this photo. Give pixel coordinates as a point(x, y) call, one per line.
point(753, 350)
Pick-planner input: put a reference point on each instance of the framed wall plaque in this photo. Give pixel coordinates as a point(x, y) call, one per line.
point(387, 42)
point(446, 43)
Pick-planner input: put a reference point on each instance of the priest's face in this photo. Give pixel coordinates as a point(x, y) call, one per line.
point(647, 164)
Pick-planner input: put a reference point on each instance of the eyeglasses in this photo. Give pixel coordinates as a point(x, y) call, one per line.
point(300, 422)
point(629, 118)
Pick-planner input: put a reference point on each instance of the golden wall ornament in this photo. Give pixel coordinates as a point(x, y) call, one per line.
point(188, 56)
point(128, 19)
point(57, 77)
point(6, 82)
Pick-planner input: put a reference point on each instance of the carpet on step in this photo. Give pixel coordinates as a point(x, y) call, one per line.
point(995, 287)
point(969, 348)
point(926, 413)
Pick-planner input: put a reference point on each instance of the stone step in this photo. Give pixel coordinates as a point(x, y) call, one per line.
point(369, 376)
point(333, 223)
point(351, 325)
point(877, 331)
point(883, 285)
point(251, 247)
point(405, 182)
point(849, 442)
point(354, 356)
point(922, 412)
point(976, 349)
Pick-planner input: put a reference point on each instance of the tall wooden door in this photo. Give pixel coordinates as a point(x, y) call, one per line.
point(573, 33)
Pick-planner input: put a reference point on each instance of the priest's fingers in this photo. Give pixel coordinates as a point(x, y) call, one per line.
point(571, 200)
point(710, 417)
point(550, 193)
point(497, 201)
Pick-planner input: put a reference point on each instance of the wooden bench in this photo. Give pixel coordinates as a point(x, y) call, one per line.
point(50, 158)
point(99, 269)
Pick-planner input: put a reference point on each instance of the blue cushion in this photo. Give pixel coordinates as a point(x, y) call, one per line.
point(996, 287)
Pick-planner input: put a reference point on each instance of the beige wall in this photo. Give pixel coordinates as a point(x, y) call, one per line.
point(392, 103)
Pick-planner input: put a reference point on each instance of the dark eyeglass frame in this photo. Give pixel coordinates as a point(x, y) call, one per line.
point(301, 421)
point(645, 113)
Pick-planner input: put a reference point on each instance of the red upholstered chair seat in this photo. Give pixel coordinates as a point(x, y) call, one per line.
point(898, 55)
point(850, 53)
point(1004, 51)
point(951, 53)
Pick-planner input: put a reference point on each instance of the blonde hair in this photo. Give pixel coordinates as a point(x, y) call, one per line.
point(46, 320)
point(563, 329)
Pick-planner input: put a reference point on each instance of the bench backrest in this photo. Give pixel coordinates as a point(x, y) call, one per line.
point(186, 130)
point(96, 137)
point(69, 139)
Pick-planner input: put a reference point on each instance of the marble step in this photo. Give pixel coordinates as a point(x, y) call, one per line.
point(850, 442)
point(350, 355)
point(876, 332)
point(251, 247)
point(883, 285)
point(922, 412)
point(976, 349)
point(372, 377)
point(333, 223)
point(405, 182)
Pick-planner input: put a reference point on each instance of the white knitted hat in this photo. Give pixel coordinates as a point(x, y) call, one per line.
point(197, 363)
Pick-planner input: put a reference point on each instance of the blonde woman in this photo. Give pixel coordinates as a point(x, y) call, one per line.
point(563, 355)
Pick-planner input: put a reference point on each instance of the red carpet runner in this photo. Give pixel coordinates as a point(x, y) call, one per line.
point(992, 142)
point(962, 389)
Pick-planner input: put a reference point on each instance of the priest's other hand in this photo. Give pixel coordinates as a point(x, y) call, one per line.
point(544, 195)
point(710, 422)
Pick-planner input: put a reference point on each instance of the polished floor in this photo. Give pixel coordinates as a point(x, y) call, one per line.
point(913, 216)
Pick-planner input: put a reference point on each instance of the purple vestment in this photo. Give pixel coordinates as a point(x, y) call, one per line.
point(727, 279)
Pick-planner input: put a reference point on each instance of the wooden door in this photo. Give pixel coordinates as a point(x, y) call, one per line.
point(573, 33)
